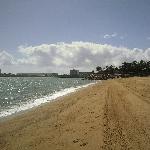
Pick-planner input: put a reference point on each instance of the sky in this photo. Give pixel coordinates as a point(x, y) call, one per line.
point(58, 35)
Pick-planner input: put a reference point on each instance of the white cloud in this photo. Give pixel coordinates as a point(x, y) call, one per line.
point(60, 57)
point(108, 36)
point(6, 59)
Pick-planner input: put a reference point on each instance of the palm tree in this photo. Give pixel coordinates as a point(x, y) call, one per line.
point(98, 69)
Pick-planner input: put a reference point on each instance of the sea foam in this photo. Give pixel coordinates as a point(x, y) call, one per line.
point(36, 102)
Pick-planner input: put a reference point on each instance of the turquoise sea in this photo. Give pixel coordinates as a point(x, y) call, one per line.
point(21, 93)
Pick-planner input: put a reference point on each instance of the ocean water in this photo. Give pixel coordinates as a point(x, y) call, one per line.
point(22, 93)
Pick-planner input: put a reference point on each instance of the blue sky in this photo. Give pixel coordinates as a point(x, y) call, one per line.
point(124, 23)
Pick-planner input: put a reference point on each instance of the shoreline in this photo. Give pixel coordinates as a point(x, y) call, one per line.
point(111, 115)
point(54, 97)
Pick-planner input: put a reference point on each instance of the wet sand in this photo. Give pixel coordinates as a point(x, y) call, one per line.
point(114, 115)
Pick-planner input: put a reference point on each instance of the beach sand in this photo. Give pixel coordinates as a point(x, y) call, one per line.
point(114, 114)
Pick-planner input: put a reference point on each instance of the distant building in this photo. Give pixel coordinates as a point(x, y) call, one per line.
point(31, 74)
point(64, 76)
point(74, 73)
point(51, 74)
point(37, 74)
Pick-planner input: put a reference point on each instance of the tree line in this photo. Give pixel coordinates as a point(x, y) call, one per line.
point(127, 69)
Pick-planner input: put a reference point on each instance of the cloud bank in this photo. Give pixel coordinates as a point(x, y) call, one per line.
point(60, 57)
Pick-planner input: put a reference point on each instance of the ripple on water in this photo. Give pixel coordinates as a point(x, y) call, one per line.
point(22, 93)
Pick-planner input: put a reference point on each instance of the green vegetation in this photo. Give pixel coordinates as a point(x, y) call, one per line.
point(135, 68)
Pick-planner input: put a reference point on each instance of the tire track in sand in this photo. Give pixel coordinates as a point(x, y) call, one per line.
point(123, 128)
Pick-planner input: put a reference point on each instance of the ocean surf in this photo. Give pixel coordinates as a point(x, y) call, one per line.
point(20, 94)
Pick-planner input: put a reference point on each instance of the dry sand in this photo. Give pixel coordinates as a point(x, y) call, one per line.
point(112, 115)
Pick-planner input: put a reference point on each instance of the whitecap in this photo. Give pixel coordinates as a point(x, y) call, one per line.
point(36, 102)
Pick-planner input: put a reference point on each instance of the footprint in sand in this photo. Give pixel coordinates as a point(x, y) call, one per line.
point(81, 141)
point(92, 127)
point(84, 144)
point(97, 116)
point(86, 122)
point(76, 141)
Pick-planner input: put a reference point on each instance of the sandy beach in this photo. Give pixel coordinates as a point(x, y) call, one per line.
point(114, 114)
